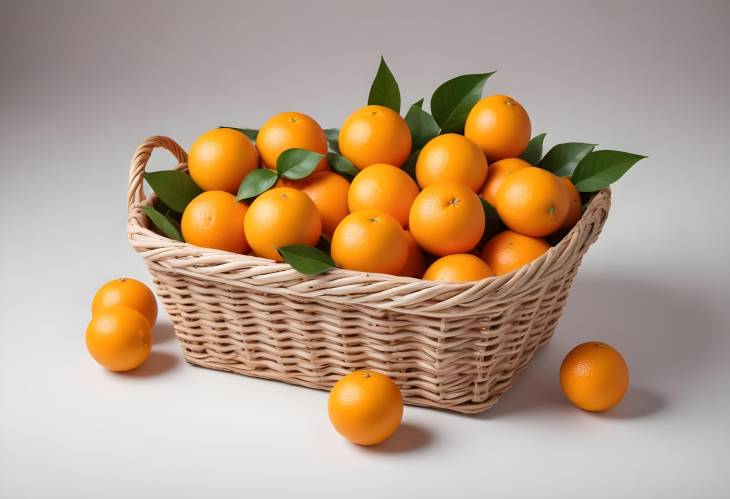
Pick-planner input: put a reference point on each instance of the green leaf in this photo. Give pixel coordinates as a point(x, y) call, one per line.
point(306, 259)
point(421, 124)
point(410, 165)
point(174, 187)
point(452, 101)
point(599, 169)
point(533, 153)
point(165, 225)
point(418, 104)
point(490, 212)
point(563, 158)
point(342, 165)
point(248, 132)
point(295, 164)
point(384, 91)
point(257, 181)
point(333, 139)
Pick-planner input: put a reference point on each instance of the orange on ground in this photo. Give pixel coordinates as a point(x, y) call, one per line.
point(451, 157)
point(498, 171)
point(280, 217)
point(375, 134)
point(447, 218)
point(119, 338)
point(415, 261)
point(370, 241)
point(500, 125)
point(458, 268)
point(594, 376)
point(329, 193)
point(575, 205)
point(214, 219)
point(288, 131)
point(533, 202)
point(128, 292)
point(385, 188)
point(220, 159)
point(365, 407)
point(508, 251)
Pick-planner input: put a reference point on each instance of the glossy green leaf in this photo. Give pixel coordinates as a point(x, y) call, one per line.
point(257, 181)
point(421, 124)
point(410, 165)
point(167, 226)
point(533, 153)
point(418, 104)
point(452, 101)
point(342, 165)
point(384, 91)
point(296, 164)
point(490, 212)
point(174, 187)
point(248, 132)
point(333, 139)
point(599, 169)
point(563, 158)
point(306, 259)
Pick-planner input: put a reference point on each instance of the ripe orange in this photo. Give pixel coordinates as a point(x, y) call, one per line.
point(375, 134)
point(447, 218)
point(533, 202)
point(220, 159)
point(575, 205)
point(119, 338)
point(370, 241)
point(128, 292)
point(329, 193)
point(415, 261)
point(458, 268)
point(500, 125)
point(385, 188)
point(508, 251)
point(214, 219)
point(365, 407)
point(280, 217)
point(498, 171)
point(594, 376)
point(451, 157)
point(288, 131)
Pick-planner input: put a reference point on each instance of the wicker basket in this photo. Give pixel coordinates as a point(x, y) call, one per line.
point(455, 346)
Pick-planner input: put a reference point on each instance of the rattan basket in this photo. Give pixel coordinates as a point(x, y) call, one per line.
point(455, 346)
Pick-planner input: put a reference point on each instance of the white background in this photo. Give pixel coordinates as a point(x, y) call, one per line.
point(83, 83)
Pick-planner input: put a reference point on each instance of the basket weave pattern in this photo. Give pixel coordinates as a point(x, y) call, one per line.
point(455, 346)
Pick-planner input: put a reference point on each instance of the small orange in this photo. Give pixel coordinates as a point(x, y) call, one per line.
point(447, 218)
point(288, 131)
point(385, 188)
point(451, 157)
point(508, 251)
point(128, 292)
point(119, 338)
point(214, 219)
point(365, 407)
point(575, 205)
point(280, 217)
point(500, 125)
point(375, 134)
point(370, 241)
point(220, 159)
point(458, 268)
point(329, 193)
point(533, 202)
point(415, 261)
point(498, 171)
point(594, 376)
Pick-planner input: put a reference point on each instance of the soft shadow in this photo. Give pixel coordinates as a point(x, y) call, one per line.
point(407, 438)
point(637, 403)
point(162, 333)
point(156, 364)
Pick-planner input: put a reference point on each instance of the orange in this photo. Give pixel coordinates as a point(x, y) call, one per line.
point(128, 292)
point(214, 219)
point(451, 157)
point(533, 202)
point(280, 217)
point(329, 193)
point(370, 241)
point(458, 268)
point(385, 188)
point(415, 262)
point(220, 159)
point(119, 338)
point(508, 251)
point(288, 131)
point(498, 171)
point(594, 376)
point(365, 407)
point(375, 134)
point(575, 205)
point(500, 125)
point(447, 218)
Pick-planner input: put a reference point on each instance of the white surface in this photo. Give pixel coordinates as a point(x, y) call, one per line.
point(82, 84)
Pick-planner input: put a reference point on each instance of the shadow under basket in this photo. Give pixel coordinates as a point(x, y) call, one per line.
point(455, 346)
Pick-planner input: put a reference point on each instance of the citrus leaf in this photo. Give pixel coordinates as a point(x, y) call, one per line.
point(342, 165)
point(165, 225)
point(306, 259)
point(174, 187)
point(418, 104)
point(563, 158)
point(599, 169)
point(421, 124)
point(533, 153)
point(295, 164)
point(410, 165)
point(248, 132)
point(490, 212)
point(384, 91)
point(452, 101)
point(257, 181)
point(333, 139)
